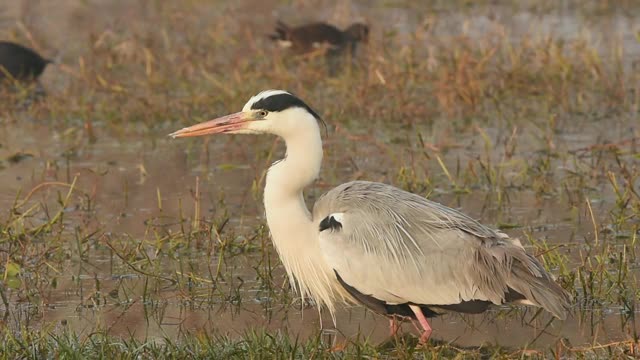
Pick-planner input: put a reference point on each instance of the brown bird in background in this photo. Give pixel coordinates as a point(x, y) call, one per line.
point(20, 63)
point(307, 38)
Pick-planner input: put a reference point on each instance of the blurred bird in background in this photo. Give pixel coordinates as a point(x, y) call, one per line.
point(324, 38)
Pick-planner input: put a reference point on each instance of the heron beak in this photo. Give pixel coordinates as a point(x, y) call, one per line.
point(220, 125)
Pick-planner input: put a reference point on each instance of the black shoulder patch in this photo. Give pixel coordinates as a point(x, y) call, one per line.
point(280, 102)
point(330, 223)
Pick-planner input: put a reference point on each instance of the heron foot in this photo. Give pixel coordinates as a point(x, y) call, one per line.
point(424, 338)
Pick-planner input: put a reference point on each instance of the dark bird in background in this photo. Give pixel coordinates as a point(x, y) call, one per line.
point(20, 63)
point(307, 38)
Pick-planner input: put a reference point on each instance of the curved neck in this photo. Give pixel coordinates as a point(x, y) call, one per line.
point(288, 177)
point(283, 199)
point(293, 232)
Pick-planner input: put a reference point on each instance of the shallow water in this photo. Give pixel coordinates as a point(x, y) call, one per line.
point(136, 193)
point(99, 292)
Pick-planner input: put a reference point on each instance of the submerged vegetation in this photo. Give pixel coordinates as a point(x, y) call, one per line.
point(117, 242)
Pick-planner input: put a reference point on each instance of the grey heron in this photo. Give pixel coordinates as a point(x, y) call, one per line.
point(395, 252)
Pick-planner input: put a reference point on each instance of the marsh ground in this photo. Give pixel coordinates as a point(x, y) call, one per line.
point(117, 241)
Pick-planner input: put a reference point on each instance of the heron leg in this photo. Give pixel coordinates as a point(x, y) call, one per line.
point(394, 326)
point(423, 322)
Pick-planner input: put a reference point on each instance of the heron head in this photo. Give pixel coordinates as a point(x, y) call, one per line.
point(275, 112)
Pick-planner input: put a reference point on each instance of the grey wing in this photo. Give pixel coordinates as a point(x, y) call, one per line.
point(400, 248)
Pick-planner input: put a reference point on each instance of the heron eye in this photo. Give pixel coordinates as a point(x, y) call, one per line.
point(263, 113)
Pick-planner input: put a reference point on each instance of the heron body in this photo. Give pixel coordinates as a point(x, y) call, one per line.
point(407, 250)
point(309, 37)
point(395, 252)
point(20, 63)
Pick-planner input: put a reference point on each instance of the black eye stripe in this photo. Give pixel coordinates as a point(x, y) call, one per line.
point(282, 102)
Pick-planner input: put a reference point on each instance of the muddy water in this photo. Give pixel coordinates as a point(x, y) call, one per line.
point(124, 178)
point(138, 186)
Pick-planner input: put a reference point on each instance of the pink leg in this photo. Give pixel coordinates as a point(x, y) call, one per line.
point(423, 321)
point(393, 326)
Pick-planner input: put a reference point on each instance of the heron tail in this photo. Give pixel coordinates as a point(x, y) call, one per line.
point(537, 287)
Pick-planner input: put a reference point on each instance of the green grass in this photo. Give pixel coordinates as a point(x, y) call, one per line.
point(254, 345)
point(262, 345)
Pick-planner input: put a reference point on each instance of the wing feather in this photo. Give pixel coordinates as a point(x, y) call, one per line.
point(400, 247)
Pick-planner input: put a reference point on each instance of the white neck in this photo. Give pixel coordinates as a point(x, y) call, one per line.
point(294, 233)
point(288, 177)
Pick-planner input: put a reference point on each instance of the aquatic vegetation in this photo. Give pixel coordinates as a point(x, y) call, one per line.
point(116, 241)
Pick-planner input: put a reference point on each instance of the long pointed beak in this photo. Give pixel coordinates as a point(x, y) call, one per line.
point(223, 124)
